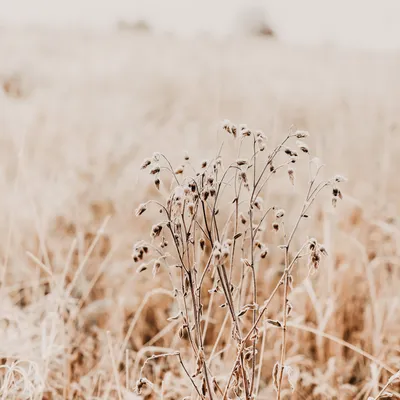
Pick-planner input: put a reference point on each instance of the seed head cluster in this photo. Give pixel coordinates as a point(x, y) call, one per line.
point(217, 226)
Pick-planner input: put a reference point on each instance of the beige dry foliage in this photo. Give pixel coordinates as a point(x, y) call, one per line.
point(90, 108)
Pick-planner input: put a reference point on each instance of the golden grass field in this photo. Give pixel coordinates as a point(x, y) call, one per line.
point(80, 111)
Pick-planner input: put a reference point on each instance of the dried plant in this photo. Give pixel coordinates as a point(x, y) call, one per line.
point(216, 218)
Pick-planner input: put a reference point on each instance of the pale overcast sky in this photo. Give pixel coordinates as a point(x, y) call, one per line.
point(352, 23)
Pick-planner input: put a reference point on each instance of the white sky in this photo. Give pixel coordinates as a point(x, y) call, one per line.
point(351, 23)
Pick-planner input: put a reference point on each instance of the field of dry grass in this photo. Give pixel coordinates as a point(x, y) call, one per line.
point(78, 114)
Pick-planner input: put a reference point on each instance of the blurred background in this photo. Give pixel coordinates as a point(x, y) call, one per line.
point(89, 88)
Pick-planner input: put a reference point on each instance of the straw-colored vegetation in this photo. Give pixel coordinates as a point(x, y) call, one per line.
point(80, 112)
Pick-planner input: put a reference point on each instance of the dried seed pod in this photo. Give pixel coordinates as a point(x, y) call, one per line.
point(156, 157)
point(217, 255)
point(302, 146)
point(227, 243)
point(245, 262)
point(199, 363)
point(191, 208)
point(244, 130)
point(275, 226)
point(203, 386)
point(242, 218)
point(174, 318)
point(141, 209)
point(264, 252)
point(312, 244)
point(205, 194)
point(258, 244)
point(157, 183)
point(241, 162)
point(243, 176)
point(258, 203)
point(291, 175)
point(156, 267)
point(247, 307)
point(204, 164)
point(290, 152)
point(202, 243)
point(141, 268)
point(260, 135)
point(280, 213)
point(143, 385)
point(274, 322)
point(289, 307)
point(155, 170)
point(340, 178)
point(182, 332)
point(301, 134)
point(323, 251)
point(179, 170)
point(192, 186)
point(145, 163)
point(226, 125)
point(156, 230)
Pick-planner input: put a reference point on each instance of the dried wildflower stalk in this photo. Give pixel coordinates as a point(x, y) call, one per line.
point(217, 253)
point(395, 378)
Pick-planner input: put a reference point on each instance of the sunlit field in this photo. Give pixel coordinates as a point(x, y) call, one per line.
point(79, 114)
